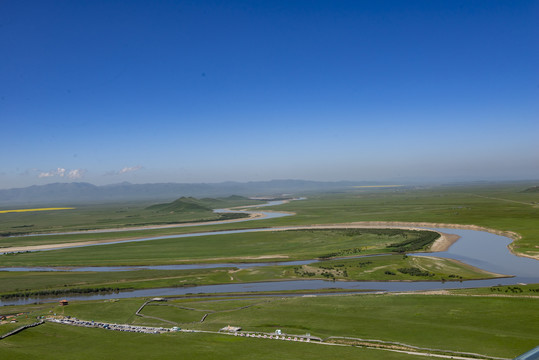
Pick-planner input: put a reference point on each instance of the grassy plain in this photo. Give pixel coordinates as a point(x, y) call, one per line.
point(529, 290)
point(106, 216)
point(52, 341)
point(244, 247)
point(497, 321)
point(481, 324)
point(504, 207)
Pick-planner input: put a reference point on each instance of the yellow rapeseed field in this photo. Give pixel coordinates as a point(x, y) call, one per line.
point(40, 209)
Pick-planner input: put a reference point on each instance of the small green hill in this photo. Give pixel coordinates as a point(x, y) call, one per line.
point(190, 204)
point(183, 204)
point(533, 189)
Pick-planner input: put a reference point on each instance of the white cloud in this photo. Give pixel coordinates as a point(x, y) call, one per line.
point(76, 173)
point(52, 173)
point(129, 169)
point(61, 172)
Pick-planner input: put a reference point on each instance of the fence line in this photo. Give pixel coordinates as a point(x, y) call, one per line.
point(21, 329)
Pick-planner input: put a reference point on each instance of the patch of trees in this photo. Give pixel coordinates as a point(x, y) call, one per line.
point(328, 272)
point(413, 271)
point(381, 232)
point(423, 239)
point(187, 285)
point(298, 271)
point(13, 233)
point(339, 253)
point(15, 253)
point(328, 275)
point(18, 232)
point(359, 232)
point(40, 293)
point(512, 289)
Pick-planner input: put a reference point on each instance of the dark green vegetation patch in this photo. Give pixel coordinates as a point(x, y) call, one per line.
point(533, 189)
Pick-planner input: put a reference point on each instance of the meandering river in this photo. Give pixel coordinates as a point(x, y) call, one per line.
point(477, 248)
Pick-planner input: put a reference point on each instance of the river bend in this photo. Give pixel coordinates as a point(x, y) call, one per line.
point(477, 248)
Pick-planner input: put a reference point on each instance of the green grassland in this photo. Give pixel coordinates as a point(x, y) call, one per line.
point(52, 341)
point(7, 326)
point(504, 207)
point(177, 314)
point(104, 216)
point(480, 324)
point(380, 268)
point(14, 284)
point(390, 268)
point(497, 321)
point(531, 290)
point(244, 247)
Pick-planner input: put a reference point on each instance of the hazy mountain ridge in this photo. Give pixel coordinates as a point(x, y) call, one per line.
point(78, 192)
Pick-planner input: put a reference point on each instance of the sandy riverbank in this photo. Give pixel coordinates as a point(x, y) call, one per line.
point(444, 242)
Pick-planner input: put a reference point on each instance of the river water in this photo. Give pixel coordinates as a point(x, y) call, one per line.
point(477, 248)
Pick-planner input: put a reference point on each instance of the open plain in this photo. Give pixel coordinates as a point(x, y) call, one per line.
point(340, 232)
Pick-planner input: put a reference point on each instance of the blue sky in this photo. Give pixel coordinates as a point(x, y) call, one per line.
point(210, 91)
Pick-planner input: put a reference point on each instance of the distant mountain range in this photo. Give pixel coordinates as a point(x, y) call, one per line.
point(80, 192)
